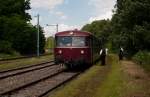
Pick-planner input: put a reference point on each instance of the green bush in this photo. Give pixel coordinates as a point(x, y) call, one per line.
point(143, 58)
point(5, 47)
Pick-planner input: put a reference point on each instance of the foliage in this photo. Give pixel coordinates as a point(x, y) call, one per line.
point(49, 42)
point(100, 29)
point(41, 40)
point(15, 30)
point(49, 45)
point(15, 7)
point(131, 25)
point(5, 47)
point(6, 55)
point(142, 58)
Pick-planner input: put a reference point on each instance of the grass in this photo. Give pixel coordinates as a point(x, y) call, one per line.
point(6, 56)
point(104, 81)
point(81, 87)
point(119, 83)
point(86, 84)
point(24, 62)
point(112, 86)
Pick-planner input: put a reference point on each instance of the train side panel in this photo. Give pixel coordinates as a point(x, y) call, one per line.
point(96, 46)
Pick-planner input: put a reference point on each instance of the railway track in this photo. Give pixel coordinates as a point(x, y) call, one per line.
point(23, 57)
point(42, 87)
point(23, 79)
point(33, 82)
point(12, 72)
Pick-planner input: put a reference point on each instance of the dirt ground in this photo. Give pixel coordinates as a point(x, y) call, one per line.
point(138, 81)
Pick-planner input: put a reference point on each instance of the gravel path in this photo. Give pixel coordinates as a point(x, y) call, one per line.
point(17, 81)
point(138, 79)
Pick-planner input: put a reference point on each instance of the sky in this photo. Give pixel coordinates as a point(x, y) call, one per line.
point(69, 14)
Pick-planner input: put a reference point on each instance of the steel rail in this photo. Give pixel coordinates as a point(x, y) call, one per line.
point(24, 86)
point(23, 57)
point(22, 70)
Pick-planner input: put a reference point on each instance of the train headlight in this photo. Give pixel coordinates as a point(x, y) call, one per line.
point(71, 33)
point(60, 51)
point(82, 51)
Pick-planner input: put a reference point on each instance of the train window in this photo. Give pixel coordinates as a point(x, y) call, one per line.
point(78, 41)
point(64, 41)
point(88, 41)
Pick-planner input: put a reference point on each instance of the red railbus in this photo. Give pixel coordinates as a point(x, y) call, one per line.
point(76, 48)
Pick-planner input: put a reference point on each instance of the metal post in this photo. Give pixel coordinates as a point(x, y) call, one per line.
point(57, 27)
point(38, 34)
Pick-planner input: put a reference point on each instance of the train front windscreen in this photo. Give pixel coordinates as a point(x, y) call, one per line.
point(67, 41)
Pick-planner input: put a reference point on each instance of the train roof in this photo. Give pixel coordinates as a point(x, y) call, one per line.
point(73, 33)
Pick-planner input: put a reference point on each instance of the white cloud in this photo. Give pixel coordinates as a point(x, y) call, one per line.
point(61, 15)
point(103, 9)
point(46, 4)
point(102, 6)
point(63, 27)
point(107, 15)
point(51, 30)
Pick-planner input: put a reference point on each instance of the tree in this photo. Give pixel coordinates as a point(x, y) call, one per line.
point(49, 42)
point(15, 31)
point(130, 23)
point(100, 29)
point(11, 8)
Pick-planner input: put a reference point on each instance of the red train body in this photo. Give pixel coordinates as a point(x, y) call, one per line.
point(75, 48)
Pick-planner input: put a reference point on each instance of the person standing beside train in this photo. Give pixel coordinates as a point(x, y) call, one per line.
point(103, 53)
point(121, 54)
